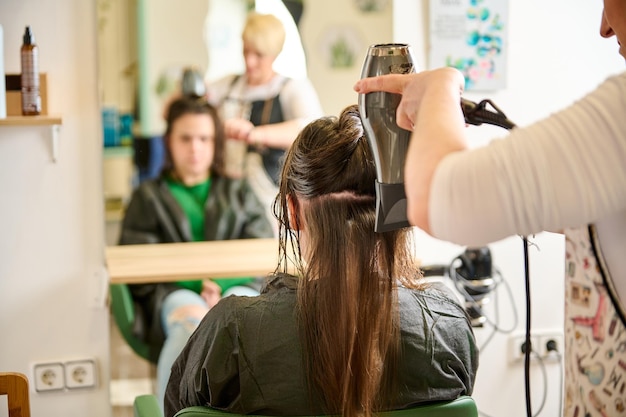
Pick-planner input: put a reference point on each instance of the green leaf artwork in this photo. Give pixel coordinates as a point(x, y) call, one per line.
point(341, 55)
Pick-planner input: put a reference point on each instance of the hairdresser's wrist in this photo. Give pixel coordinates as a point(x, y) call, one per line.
point(255, 137)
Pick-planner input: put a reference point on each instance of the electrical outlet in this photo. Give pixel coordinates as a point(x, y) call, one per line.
point(80, 374)
point(49, 376)
point(539, 341)
point(516, 347)
point(556, 342)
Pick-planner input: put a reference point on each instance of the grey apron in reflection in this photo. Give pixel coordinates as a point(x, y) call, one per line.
point(263, 112)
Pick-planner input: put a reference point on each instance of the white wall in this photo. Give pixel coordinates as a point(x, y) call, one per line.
point(163, 56)
point(117, 53)
point(555, 56)
point(52, 280)
point(324, 21)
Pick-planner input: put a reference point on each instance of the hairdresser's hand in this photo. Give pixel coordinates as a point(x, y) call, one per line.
point(211, 293)
point(431, 108)
point(414, 88)
point(238, 129)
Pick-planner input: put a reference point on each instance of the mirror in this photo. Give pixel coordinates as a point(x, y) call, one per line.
point(143, 46)
point(142, 51)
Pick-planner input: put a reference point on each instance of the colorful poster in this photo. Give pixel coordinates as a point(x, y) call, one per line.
point(471, 35)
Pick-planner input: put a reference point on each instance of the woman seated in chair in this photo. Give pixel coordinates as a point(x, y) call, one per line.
point(190, 201)
point(356, 331)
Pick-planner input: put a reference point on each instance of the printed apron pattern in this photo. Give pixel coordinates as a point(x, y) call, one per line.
point(595, 336)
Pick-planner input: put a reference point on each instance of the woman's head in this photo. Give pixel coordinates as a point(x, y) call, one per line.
point(330, 160)
point(328, 179)
point(194, 141)
point(263, 39)
point(349, 273)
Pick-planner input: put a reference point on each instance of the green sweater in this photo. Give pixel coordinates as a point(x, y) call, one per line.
point(192, 199)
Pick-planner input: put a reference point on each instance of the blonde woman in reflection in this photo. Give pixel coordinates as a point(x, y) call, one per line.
point(190, 201)
point(263, 109)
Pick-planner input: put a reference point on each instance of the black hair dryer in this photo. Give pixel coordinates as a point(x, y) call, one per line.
point(193, 84)
point(389, 142)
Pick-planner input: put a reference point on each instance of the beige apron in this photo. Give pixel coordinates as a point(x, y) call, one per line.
point(595, 334)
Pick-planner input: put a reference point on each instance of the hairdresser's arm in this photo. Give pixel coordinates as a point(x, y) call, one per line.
point(430, 107)
point(563, 171)
point(276, 135)
point(299, 104)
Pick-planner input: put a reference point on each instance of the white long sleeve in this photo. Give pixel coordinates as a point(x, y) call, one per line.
point(564, 171)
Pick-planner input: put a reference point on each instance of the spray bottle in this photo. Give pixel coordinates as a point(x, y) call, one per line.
point(31, 99)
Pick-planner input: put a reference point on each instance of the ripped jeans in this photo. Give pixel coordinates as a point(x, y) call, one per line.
point(178, 327)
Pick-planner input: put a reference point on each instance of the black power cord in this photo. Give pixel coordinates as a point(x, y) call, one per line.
point(477, 114)
point(528, 327)
point(474, 277)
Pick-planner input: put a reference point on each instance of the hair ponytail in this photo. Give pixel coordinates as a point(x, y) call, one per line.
point(347, 294)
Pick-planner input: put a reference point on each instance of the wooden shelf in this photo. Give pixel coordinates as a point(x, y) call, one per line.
point(31, 121)
point(54, 122)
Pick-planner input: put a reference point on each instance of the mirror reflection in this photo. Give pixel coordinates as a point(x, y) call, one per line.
point(143, 53)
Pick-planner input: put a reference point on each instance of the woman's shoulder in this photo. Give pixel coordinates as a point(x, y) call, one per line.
point(230, 186)
point(218, 88)
point(148, 188)
point(280, 301)
point(296, 84)
point(614, 85)
point(437, 297)
point(620, 77)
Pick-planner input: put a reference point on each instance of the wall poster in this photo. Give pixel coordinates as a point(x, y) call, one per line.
point(471, 35)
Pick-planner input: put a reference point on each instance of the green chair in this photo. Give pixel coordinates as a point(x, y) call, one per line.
point(147, 406)
point(123, 310)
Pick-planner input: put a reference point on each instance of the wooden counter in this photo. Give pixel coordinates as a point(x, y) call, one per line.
point(167, 262)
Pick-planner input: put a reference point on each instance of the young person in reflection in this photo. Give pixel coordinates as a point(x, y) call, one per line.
point(190, 201)
point(262, 109)
point(566, 172)
point(356, 331)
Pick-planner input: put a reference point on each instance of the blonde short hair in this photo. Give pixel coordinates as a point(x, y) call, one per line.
point(265, 33)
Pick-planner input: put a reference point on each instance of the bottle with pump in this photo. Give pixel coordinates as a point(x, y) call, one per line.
point(31, 99)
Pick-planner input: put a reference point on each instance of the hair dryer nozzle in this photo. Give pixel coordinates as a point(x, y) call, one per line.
point(390, 207)
point(193, 83)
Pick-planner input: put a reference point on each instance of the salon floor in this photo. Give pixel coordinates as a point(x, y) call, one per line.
point(131, 375)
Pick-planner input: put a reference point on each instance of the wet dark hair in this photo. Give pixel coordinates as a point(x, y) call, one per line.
point(347, 291)
point(187, 105)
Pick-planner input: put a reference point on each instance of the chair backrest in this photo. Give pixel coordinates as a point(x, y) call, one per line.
point(15, 386)
point(147, 406)
point(123, 309)
point(461, 407)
